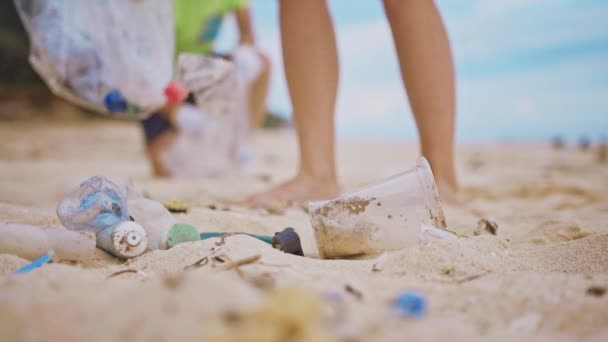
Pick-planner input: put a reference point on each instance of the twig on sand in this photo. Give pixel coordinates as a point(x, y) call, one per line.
point(235, 265)
point(470, 277)
point(224, 259)
point(199, 263)
point(141, 273)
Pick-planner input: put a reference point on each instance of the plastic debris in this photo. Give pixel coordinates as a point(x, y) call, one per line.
point(380, 263)
point(209, 235)
point(288, 241)
point(176, 92)
point(180, 233)
point(429, 233)
point(410, 304)
point(96, 204)
point(217, 127)
point(115, 57)
point(99, 206)
point(154, 218)
point(381, 217)
point(45, 259)
point(125, 240)
point(29, 242)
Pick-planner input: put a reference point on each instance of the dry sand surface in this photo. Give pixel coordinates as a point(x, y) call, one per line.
point(528, 281)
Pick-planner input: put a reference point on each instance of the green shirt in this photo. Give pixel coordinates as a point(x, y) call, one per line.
point(197, 22)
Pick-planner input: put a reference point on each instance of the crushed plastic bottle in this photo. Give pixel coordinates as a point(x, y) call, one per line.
point(99, 206)
point(29, 242)
point(95, 205)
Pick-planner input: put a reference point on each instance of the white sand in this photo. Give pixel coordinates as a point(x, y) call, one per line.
point(529, 281)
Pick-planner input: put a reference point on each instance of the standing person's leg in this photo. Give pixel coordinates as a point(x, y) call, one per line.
point(428, 74)
point(258, 92)
point(311, 67)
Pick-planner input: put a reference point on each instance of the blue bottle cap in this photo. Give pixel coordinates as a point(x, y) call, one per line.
point(410, 304)
point(115, 102)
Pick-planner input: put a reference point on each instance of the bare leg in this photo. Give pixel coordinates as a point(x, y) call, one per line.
point(428, 74)
point(157, 146)
point(257, 94)
point(311, 68)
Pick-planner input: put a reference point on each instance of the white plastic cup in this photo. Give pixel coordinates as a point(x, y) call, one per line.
point(380, 217)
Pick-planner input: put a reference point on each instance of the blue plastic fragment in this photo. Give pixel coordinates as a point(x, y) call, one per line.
point(115, 102)
point(46, 258)
point(410, 304)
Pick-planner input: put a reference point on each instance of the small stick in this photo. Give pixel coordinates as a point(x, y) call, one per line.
point(471, 277)
point(199, 263)
point(235, 265)
point(142, 273)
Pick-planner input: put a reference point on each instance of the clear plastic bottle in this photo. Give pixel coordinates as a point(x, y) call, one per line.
point(155, 218)
point(99, 206)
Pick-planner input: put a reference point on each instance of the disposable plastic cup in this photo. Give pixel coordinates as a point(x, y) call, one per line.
point(380, 217)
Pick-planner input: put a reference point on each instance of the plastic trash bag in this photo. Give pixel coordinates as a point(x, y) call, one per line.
point(87, 50)
point(214, 133)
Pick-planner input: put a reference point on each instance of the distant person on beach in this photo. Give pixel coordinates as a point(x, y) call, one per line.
point(197, 25)
point(311, 68)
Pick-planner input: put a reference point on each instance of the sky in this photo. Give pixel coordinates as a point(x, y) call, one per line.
point(526, 69)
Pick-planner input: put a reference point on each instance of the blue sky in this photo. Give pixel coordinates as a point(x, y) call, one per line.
point(526, 69)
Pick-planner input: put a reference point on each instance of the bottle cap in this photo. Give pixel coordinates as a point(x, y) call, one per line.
point(115, 102)
point(176, 92)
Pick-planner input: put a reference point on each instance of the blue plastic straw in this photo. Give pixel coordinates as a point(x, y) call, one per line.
point(46, 258)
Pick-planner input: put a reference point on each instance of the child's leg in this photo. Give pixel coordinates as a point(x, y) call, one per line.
point(160, 133)
point(428, 74)
point(311, 67)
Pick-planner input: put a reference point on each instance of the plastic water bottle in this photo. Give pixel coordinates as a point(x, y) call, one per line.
point(99, 206)
point(96, 204)
point(155, 218)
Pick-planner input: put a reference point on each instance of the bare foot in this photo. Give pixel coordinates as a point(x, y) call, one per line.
point(300, 189)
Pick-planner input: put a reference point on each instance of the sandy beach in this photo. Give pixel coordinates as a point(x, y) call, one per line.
point(530, 281)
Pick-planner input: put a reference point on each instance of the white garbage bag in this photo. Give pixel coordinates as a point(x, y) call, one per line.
point(215, 132)
point(112, 56)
